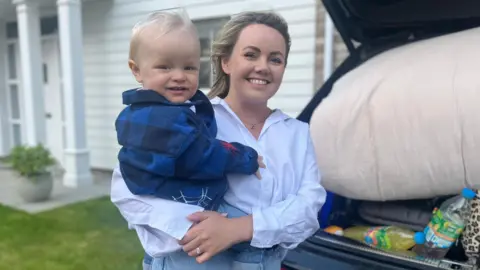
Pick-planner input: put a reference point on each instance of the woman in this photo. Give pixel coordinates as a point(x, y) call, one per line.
point(265, 217)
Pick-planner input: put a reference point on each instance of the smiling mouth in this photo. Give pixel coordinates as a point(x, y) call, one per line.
point(258, 81)
point(177, 88)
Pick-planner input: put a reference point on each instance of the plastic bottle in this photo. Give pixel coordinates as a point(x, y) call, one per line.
point(335, 230)
point(446, 225)
point(385, 237)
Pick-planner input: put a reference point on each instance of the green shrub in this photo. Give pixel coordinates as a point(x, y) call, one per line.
point(30, 161)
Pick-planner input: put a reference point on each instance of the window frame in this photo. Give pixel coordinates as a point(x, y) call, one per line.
point(208, 29)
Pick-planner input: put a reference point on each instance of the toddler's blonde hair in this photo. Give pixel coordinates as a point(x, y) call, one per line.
point(164, 21)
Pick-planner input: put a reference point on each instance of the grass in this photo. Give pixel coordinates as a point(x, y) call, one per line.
point(89, 235)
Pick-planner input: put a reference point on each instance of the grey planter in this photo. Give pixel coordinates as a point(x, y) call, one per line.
point(35, 189)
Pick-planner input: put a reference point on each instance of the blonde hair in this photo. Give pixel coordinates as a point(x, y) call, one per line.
point(164, 21)
point(222, 47)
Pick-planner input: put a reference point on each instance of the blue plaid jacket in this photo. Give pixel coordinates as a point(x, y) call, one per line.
point(171, 152)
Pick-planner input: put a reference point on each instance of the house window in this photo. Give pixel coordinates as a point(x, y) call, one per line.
point(17, 134)
point(45, 73)
point(12, 69)
point(13, 94)
point(207, 31)
point(14, 102)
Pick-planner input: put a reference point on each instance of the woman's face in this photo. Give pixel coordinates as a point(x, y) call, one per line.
point(257, 64)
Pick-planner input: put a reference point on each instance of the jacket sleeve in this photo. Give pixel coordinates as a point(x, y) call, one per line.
point(172, 145)
point(207, 157)
point(159, 223)
point(291, 221)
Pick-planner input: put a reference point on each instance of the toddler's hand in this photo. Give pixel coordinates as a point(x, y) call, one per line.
point(260, 165)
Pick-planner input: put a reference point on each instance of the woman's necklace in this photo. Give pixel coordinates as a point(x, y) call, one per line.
point(253, 126)
point(250, 125)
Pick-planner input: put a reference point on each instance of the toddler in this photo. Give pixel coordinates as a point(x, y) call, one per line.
point(167, 131)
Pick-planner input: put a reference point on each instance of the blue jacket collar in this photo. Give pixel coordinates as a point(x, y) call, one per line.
point(203, 107)
point(134, 96)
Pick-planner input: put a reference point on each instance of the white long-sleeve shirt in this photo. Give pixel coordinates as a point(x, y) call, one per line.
point(284, 204)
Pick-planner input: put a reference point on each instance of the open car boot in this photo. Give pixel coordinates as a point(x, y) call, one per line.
point(369, 28)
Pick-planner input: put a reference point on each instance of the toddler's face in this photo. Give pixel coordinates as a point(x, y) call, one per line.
point(169, 64)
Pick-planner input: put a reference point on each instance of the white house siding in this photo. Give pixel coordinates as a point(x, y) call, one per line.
point(340, 51)
point(107, 24)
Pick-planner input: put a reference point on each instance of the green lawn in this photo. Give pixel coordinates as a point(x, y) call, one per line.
point(84, 236)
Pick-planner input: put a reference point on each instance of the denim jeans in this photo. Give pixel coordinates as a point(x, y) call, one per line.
point(269, 259)
point(147, 262)
point(239, 257)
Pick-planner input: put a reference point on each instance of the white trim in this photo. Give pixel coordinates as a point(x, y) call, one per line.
point(68, 2)
point(13, 81)
point(24, 3)
point(29, 37)
point(212, 39)
point(77, 156)
point(53, 36)
point(328, 48)
point(15, 122)
point(77, 151)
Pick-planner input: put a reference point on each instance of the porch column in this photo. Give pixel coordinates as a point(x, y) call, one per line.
point(31, 69)
point(4, 131)
point(77, 160)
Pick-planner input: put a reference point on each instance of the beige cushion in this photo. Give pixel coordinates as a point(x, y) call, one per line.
point(405, 124)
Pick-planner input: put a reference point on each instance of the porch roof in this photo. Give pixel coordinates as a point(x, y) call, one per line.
point(7, 8)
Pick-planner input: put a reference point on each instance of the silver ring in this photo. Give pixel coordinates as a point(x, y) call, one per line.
point(198, 251)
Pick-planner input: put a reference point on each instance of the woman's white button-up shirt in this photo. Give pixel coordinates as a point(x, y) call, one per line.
point(284, 204)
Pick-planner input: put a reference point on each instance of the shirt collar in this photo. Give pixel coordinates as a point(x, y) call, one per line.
point(135, 95)
point(276, 116)
point(200, 101)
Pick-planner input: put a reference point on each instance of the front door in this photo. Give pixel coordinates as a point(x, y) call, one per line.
point(53, 99)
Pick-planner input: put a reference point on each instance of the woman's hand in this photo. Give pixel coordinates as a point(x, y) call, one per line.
point(215, 233)
point(260, 165)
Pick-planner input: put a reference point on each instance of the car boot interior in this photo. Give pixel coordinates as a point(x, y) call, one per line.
point(369, 27)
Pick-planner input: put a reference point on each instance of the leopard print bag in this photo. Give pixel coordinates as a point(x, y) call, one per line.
point(471, 235)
